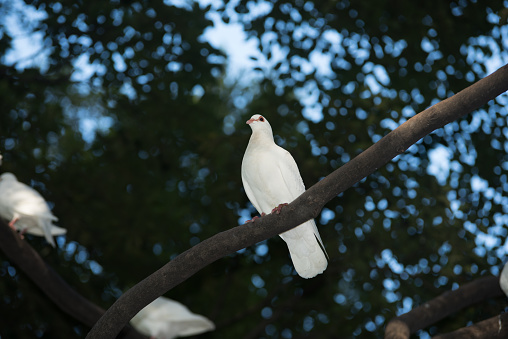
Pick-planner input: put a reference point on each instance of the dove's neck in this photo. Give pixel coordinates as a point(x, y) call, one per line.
point(262, 137)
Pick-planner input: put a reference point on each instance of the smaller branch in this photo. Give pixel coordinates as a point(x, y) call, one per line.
point(56, 289)
point(495, 327)
point(442, 306)
point(397, 329)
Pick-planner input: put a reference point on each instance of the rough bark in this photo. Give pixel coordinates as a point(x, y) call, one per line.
point(56, 289)
point(493, 328)
point(307, 206)
point(442, 306)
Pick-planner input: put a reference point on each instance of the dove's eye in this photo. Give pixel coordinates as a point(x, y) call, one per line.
point(261, 119)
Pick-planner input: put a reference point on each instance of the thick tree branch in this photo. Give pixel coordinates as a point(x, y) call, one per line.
point(492, 328)
point(307, 206)
point(441, 307)
point(65, 297)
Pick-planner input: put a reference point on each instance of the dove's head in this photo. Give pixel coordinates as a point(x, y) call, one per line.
point(258, 123)
point(8, 177)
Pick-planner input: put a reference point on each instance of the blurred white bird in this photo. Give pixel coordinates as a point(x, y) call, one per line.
point(0, 160)
point(166, 319)
point(26, 210)
point(271, 178)
point(503, 279)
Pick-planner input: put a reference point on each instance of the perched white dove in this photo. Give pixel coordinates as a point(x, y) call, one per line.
point(270, 178)
point(166, 319)
point(503, 279)
point(26, 210)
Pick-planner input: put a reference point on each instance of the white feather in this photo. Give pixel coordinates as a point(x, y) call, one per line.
point(22, 202)
point(503, 280)
point(166, 319)
point(271, 177)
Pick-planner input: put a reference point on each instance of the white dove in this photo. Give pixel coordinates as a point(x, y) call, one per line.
point(166, 319)
point(270, 178)
point(26, 210)
point(503, 279)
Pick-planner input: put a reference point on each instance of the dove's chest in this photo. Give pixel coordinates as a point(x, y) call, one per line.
point(261, 171)
point(260, 163)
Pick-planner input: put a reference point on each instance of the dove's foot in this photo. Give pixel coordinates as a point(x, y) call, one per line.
point(252, 220)
point(279, 208)
point(12, 222)
point(11, 225)
point(255, 218)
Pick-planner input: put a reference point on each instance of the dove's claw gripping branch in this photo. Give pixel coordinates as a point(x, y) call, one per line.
point(252, 220)
point(255, 218)
point(279, 208)
point(12, 222)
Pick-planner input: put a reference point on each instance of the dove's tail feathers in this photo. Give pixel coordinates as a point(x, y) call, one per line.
point(322, 246)
point(307, 253)
point(46, 225)
point(55, 230)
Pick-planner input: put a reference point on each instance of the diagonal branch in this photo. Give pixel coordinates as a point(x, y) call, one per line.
point(307, 206)
point(492, 328)
point(65, 297)
point(442, 306)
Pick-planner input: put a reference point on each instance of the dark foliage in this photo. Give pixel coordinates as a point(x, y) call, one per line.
point(163, 170)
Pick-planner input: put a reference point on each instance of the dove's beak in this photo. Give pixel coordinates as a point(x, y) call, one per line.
point(250, 121)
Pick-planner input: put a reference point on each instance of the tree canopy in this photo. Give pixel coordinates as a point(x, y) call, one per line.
point(162, 171)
